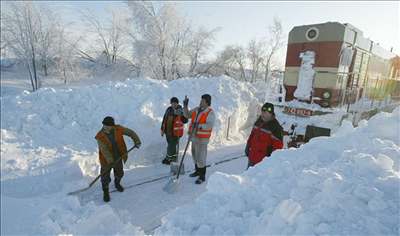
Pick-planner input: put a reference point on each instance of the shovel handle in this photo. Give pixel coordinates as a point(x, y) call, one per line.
point(110, 167)
point(187, 144)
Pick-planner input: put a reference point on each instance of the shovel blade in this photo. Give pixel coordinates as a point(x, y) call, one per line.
point(78, 191)
point(172, 186)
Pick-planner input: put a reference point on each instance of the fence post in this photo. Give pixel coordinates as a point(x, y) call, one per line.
point(227, 131)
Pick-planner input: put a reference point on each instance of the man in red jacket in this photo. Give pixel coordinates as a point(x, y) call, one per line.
point(266, 136)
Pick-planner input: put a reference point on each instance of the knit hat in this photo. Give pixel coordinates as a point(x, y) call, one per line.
point(268, 107)
point(109, 121)
point(207, 98)
point(174, 99)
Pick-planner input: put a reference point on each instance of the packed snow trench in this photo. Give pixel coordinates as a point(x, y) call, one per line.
point(344, 184)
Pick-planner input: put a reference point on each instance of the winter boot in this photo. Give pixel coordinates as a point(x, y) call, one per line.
point(106, 195)
point(166, 161)
point(118, 185)
point(196, 172)
point(202, 176)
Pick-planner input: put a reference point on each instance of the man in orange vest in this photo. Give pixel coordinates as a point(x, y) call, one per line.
point(202, 122)
point(112, 148)
point(172, 127)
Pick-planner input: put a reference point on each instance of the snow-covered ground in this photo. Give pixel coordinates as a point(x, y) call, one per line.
point(330, 186)
point(347, 184)
point(48, 147)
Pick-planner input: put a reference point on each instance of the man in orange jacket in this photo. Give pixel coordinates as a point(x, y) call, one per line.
point(266, 136)
point(112, 148)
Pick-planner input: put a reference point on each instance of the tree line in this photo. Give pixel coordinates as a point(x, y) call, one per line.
point(152, 40)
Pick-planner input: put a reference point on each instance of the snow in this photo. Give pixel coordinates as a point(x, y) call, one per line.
point(306, 76)
point(48, 149)
point(345, 184)
point(346, 56)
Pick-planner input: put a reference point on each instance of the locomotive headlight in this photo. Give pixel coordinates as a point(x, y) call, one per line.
point(326, 95)
point(312, 34)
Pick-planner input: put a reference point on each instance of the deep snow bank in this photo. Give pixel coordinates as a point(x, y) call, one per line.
point(66, 120)
point(48, 147)
point(344, 185)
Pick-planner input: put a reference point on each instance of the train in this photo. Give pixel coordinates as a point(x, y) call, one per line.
point(332, 64)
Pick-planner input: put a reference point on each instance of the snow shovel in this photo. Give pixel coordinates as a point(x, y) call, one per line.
point(173, 184)
point(101, 174)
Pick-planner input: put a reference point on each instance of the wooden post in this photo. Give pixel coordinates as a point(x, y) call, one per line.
point(227, 131)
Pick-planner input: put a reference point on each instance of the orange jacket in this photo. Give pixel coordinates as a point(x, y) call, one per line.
point(178, 127)
point(106, 146)
point(173, 122)
point(202, 119)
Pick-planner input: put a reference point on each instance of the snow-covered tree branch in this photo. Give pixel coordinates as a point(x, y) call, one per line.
point(274, 43)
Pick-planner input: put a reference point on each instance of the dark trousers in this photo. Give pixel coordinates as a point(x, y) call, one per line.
point(118, 174)
point(172, 150)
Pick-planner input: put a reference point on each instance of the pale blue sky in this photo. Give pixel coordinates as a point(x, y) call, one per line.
point(243, 21)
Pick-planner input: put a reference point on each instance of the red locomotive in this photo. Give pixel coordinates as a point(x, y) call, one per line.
point(333, 64)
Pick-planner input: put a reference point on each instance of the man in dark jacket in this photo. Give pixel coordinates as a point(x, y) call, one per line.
point(172, 127)
point(266, 136)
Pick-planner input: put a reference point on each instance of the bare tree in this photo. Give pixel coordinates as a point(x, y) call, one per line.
point(109, 35)
point(232, 61)
point(4, 43)
point(50, 27)
point(66, 60)
point(30, 33)
point(159, 37)
point(197, 47)
point(21, 29)
point(274, 43)
point(255, 54)
point(239, 55)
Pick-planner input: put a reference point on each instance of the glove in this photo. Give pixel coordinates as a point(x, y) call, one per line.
point(186, 101)
point(137, 145)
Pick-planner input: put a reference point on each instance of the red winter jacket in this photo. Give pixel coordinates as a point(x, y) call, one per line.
point(265, 138)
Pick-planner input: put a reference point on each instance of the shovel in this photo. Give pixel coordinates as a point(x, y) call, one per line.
point(173, 184)
point(101, 174)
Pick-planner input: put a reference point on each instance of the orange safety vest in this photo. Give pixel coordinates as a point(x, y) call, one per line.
point(177, 127)
point(119, 139)
point(202, 119)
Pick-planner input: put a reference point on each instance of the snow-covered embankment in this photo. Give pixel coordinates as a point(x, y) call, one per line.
point(48, 146)
point(348, 184)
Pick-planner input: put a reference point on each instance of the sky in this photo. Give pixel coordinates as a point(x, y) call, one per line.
point(242, 21)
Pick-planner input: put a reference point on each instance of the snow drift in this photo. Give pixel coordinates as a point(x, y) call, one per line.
point(48, 146)
point(68, 119)
point(348, 184)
